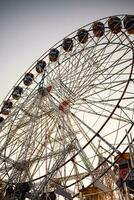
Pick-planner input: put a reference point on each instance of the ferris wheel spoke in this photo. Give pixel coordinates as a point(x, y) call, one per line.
point(53, 146)
point(60, 160)
point(101, 90)
point(107, 74)
point(83, 156)
point(109, 88)
point(104, 55)
point(83, 56)
point(105, 103)
point(107, 56)
point(111, 76)
point(74, 73)
point(95, 133)
point(92, 112)
point(22, 125)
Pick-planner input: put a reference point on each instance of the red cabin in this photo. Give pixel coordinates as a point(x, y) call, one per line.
point(123, 161)
point(126, 173)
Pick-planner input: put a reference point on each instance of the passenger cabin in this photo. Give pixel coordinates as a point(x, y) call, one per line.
point(114, 24)
point(28, 79)
point(98, 29)
point(17, 92)
point(82, 36)
point(129, 23)
point(67, 44)
point(6, 108)
point(40, 66)
point(53, 55)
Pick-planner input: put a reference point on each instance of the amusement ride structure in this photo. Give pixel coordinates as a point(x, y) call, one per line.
point(67, 126)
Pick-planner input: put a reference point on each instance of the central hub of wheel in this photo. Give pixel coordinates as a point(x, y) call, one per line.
point(64, 105)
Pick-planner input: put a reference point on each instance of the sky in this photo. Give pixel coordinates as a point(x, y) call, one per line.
point(28, 28)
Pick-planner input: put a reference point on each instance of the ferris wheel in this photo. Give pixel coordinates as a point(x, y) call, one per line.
point(65, 123)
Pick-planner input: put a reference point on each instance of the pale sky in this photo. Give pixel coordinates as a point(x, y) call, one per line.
point(28, 28)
